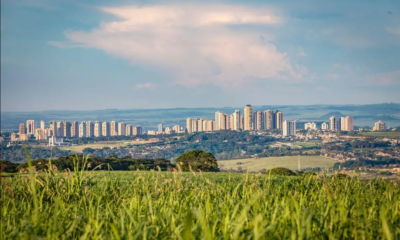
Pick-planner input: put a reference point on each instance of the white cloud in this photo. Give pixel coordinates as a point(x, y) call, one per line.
point(395, 31)
point(145, 85)
point(195, 44)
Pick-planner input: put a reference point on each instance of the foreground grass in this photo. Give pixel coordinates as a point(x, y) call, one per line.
point(291, 162)
point(176, 205)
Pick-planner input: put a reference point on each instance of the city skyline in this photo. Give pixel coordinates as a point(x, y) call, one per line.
point(307, 52)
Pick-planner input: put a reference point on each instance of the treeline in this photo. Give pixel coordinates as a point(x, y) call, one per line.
point(111, 162)
point(191, 160)
point(354, 165)
point(17, 153)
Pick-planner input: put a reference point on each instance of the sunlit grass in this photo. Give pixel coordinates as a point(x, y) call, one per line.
point(174, 205)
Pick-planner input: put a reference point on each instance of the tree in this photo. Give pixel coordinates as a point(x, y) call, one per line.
point(198, 160)
point(280, 171)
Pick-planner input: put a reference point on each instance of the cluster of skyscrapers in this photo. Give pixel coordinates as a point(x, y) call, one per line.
point(249, 121)
point(257, 120)
point(75, 129)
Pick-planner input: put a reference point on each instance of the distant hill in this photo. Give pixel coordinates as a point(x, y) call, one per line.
point(330, 114)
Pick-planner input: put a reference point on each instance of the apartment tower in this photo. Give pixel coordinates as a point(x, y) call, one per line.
point(346, 123)
point(67, 129)
point(189, 125)
point(333, 123)
point(289, 128)
point(105, 129)
point(121, 129)
point(279, 120)
point(257, 120)
point(97, 129)
point(82, 129)
point(248, 118)
point(268, 116)
point(89, 129)
point(75, 129)
point(30, 127)
point(114, 128)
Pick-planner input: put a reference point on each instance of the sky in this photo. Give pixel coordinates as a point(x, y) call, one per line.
point(97, 54)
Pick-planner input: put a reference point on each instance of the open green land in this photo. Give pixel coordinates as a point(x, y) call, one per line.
point(176, 205)
point(100, 145)
point(382, 134)
point(291, 162)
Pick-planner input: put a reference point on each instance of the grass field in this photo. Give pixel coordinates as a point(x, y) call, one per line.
point(176, 205)
point(291, 162)
point(100, 145)
point(382, 134)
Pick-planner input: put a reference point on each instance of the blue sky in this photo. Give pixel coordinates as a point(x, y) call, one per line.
point(66, 55)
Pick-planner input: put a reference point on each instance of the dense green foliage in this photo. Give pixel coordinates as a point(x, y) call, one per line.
point(112, 162)
point(280, 171)
point(366, 163)
point(6, 166)
point(17, 153)
point(176, 205)
point(198, 160)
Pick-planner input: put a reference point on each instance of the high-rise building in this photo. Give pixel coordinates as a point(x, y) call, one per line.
point(89, 129)
point(346, 123)
point(67, 129)
point(289, 128)
point(75, 129)
point(60, 129)
point(257, 120)
point(53, 129)
point(268, 117)
point(189, 125)
point(218, 120)
point(30, 127)
point(114, 128)
point(105, 129)
point(23, 137)
point(82, 129)
point(310, 125)
point(221, 121)
point(379, 126)
point(205, 126)
point(324, 126)
point(137, 130)
point(279, 120)
point(248, 118)
point(42, 125)
point(168, 130)
point(200, 125)
point(40, 134)
point(121, 129)
point(333, 123)
point(235, 123)
point(210, 125)
point(128, 130)
point(13, 137)
point(160, 128)
point(22, 129)
point(195, 127)
point(176, 128)
point(97, 129)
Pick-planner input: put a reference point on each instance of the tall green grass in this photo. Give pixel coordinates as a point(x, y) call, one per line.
point(174, 205)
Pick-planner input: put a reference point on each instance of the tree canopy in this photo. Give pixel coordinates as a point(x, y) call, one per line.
point(198, 160)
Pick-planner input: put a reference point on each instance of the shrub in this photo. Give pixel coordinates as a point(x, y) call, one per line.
point(280, 171)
